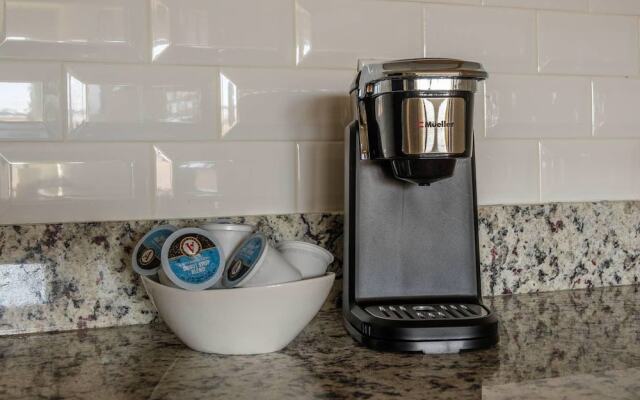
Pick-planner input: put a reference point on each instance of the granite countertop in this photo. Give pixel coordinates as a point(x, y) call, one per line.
point(570, 344)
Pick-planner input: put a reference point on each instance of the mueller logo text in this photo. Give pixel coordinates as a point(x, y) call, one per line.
point(434, 124)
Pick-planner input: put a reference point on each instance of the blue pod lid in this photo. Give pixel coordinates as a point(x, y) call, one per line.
point(192, 259)
point(245, 261)
point(146, 257)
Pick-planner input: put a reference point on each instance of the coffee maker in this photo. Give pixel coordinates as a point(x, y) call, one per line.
point(411, 268)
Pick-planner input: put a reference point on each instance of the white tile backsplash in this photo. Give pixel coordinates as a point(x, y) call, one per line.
point(502, 39)
point(133, 109)
point(288, 105)
point(574, 5)
point(320, 176)
point(581, 170)
point(134, 103)
point(615, 107)
point(521, 106)
point(587, 44)
point(507, 171)
point(31, 95)
point(97, 30)
point(335, 33)
point(222, 32)
point(628, 7)
point(53, 182)
point(222, 179)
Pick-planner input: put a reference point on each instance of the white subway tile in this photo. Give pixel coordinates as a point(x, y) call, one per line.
point(320, 176)
point(126, 102)
point(72, 182)
point(97, 30)
point(590, 170)
point(507, 171)
point(587, 44)
point(222, 179)
point(615, 107)
point(501, 39)
point(223, 32)
point(577, 5)
point(30, 101)
point(520, 106)
point(467, 2)
point(283, 104)
point(629, 7)
point(335, 33)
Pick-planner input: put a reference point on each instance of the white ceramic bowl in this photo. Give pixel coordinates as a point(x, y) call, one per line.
point(310, 259)
point(240, 321)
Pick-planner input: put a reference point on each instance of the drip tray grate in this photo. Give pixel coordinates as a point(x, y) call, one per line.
point(408, 312)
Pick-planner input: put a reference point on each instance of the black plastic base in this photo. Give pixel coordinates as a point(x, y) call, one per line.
point(427, 347)
point(450, 335)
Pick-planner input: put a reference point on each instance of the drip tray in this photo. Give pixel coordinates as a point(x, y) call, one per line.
point(408, 312)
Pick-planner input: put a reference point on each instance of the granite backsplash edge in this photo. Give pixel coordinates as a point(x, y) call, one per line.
point(72, 276)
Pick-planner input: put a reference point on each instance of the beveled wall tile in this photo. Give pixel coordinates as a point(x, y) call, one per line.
point(223, 179)
point(507, 171)
point(74, 182)
point(589, 170)
point(320, 176)
point(521, 106)
point(628, 7)
point(222, 32)
point(132, 103)
point(283, 104)
point(30, 101)
point(335, 33)
point(96, 30)
point(576, 5)
point(615, 108)
point(501, 39)
point(587, 44)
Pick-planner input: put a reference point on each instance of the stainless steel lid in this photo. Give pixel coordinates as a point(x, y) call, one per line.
point(419, 74)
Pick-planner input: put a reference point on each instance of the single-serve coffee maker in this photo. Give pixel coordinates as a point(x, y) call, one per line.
point(412, 272)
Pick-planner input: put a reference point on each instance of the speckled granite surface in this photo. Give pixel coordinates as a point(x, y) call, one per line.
point(69, 276)
point(570, 344)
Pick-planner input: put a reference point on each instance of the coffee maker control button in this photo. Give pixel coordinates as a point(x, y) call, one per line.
point(402, 308)
point(453, 307)
point(381, 308)
point(392, 308)
point(424, 308)
point(420, 315)
point(432, 315)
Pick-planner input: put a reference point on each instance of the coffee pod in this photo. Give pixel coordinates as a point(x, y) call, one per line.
point(228, 234)
point(146, 257)
point(192, 259)
point(164, 279)
point(310, 259)
point(256, 263)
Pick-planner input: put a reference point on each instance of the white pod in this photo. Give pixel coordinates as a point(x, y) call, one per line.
point(229, 235)
point(256, 263)
point(310, 259)
point(146, 258)
point(192, 259)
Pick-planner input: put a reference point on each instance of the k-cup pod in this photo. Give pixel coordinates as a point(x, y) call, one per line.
point(164, 279)
point(146, 257)
point(228, 234)
point(311, 260)
point(192, 259)
point(256, 263)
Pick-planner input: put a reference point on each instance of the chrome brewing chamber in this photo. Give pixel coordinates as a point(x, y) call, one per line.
point(417, 114)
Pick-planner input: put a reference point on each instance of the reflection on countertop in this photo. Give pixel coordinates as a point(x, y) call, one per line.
point(569, 344)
